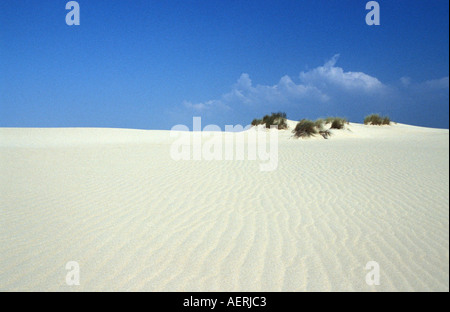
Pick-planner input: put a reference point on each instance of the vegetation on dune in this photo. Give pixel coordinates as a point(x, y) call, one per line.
point(256, 122)
point(306, 128)
point(276, 119)
point(377, 120)
point(338, 123)
point(319, 124)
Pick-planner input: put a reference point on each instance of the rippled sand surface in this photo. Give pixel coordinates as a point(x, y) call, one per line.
point(137, 220)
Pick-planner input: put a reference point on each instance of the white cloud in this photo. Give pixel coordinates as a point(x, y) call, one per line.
point(442, 84)
point(406, 81)
point(330, 76)
point(203, 106)
point(433, 85)
point(329, 89)
point(319, 85)
point(284, 92)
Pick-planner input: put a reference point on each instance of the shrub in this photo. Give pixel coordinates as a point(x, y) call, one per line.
point(386, 120)
point(257, 122)
point(276, 119)
point(377, 120)
point(305, 128)
point(338, 123)
point(319, 124)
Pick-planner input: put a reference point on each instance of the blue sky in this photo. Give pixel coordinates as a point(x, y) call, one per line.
point(154, 64)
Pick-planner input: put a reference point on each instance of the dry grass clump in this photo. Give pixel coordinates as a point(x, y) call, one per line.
point(276, 119)
point(338, 123)
point(306, 128)
point(377, 120)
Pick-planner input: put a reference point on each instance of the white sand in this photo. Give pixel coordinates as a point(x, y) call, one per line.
point(134, 219)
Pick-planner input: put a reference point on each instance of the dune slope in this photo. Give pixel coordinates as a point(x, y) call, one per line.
point(135, 219)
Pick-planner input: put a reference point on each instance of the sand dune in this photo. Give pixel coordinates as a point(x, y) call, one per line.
point(135, 219)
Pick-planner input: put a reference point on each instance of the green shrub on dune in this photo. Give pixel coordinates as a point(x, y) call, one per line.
point(386, 121)
point(319, 124)
point(257, 122)
point(377, 120)
point(276, 119)
point(306, 128)
point(338, 123)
